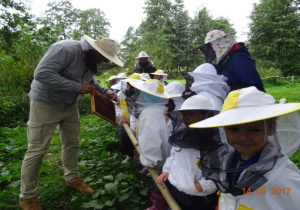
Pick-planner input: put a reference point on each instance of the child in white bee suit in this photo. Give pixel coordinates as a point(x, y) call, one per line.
point(124, 114)
point(152, 130)
point(180, 172)
point(111, 81)
point(176, 89)
point(204, 80)
point(160, 76)
point(255, 172)
point(117, 79)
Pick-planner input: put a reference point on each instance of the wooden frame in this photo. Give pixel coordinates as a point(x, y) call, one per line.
point(103, 107)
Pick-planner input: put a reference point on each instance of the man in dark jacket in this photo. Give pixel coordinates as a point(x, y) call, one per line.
point(231, 60)
point(144, 64)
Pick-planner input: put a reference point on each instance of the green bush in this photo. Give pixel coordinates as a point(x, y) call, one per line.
point(84, 105)
point(175, 74)
point(14, 110)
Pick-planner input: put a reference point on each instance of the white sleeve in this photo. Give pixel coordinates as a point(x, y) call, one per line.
point(133, 124)
point(119, 114)
point(169, 162)
point(208, 186)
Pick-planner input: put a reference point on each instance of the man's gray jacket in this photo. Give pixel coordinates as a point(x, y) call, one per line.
point(59, 74)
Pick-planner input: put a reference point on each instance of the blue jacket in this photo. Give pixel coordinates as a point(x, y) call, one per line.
point(241, 70)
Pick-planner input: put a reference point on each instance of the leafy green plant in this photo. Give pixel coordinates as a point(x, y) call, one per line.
point(14, 110)
point(84, 105)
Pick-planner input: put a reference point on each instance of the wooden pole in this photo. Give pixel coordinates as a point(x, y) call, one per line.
point(163, 189)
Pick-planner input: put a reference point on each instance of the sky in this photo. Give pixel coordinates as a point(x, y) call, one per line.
point(125, 13)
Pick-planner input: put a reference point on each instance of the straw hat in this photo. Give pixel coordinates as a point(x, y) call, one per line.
point(196, 102)
point(159, 72)
point(152, 87)
point(106, 47)
point(247, 105)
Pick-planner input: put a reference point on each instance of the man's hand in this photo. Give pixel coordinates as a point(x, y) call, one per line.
point(86, 88)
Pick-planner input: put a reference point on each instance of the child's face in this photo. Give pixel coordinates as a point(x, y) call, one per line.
point(192, 116)
point(158, 77)
point(248, 139)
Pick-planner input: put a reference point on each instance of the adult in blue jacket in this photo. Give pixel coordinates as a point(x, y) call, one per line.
point(231, 60)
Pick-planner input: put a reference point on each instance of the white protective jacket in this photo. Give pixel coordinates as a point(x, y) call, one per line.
point(153, 134)
point(122, 110)
point(281, 191)
point(184, 172)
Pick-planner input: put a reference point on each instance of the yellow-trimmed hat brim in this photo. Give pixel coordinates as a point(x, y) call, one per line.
point(159, 74)
point(243, 115)
point(139, 85)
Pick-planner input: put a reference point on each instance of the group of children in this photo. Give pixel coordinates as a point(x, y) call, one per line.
point(213, 148)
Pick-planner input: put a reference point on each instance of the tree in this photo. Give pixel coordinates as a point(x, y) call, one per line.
point(62, 18)
point(129, 48)
point(179, 38)
point(12, 14)
point(92, 23)
point(275, 34)
point(19, 49)
point(200, 25)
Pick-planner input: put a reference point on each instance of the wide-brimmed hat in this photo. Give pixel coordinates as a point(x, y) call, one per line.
point(196, 102)
point(175, 88)
point(247, 105)
point(132, 77)
point(142, 54)
point(116, 86)
point(111, 78)
point(159, 72)
point(121, 76)
point(145, 76)
point(106, 47)
point(152, 87)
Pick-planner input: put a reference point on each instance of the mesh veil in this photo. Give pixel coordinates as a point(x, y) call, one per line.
point(284, 141)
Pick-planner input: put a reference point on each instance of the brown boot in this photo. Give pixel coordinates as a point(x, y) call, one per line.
point(80, 186)
point(30, 204)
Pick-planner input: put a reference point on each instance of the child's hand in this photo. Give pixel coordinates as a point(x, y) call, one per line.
point(124, 120)
point(162, 178)
point(198, 186)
